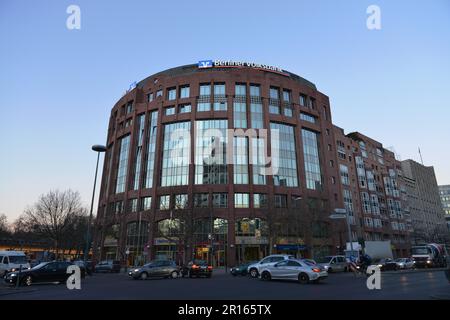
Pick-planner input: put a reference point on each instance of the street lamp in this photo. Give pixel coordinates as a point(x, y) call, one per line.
point(343, 214)
point(99, 149)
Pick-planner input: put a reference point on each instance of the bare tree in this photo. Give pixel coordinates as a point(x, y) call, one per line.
point(5, 230)
point(53, 215)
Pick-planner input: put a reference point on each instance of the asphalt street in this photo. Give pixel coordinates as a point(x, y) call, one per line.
point(343, 286)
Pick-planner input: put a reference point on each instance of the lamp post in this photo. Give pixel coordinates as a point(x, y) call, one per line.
point(99, 149)
point(298, 249)
point(343, 214)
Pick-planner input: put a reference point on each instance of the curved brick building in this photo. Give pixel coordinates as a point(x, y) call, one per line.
point(162, 196)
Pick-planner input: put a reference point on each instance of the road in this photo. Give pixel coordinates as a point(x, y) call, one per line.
point(394, 285)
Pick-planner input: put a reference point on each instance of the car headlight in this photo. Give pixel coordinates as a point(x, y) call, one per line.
point(13, 275)
point(379, 266)
point(136, 270)
point(428, 261)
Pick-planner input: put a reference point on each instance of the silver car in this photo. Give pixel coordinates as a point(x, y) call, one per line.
point(334, 263)
point(255, 269)
point(405, 263)
point(293, 269)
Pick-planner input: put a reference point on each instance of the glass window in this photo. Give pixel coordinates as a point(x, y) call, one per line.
point(138, 158)
point(220, 200)
point(287, 111)
point(201, 200)
point(257, 117)
point(176, 154)
point(240, 114)
point(240, 90)
point(220, 100)
point(185, 108)
point(259, 200)
point(164, 202)
point(240, 156)
point(123, 164)
point(241, 200)
point(286, 96)
point(133, 205)
point(311, 158)
point(181, 201)
point(280, 201)
point(345, 180)
point(150, 97)
point(159, 93)
point(259, 160)
point(171, 94)
point(151, 146)
point(170, 111)
point(146, 203)
point(129, 107)
point(274, 104)
point(210, 152)
point(204, 103)
point(283, 155)
point(255, 90)
point(184, 92)
point(307, 117)
point(303, 100)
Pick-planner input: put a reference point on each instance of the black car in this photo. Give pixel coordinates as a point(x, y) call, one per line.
point(108, 266)
point(156, 269)
point(197, 268)
point(386, 264)
point(241, 270)
point(55, 271)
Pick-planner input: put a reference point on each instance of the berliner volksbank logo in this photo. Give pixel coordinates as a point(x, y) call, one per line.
point(205, 64)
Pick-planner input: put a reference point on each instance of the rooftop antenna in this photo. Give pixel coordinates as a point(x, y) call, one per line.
point(420, 154)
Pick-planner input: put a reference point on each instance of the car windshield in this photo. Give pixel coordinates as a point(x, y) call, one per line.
point(324, 260)
point(40, 265)
point(421, 250)
point(17, 259)
point(309, 262)
point(200, 262)
point(400, 260)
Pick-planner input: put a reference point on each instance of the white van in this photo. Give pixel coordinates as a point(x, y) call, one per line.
point(11, 261)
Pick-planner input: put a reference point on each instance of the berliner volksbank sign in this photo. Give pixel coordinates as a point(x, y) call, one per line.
point(203, 64)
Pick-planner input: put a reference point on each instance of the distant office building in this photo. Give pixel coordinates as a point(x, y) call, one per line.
point(373, 192)
point(424, 203)
point(444, 192)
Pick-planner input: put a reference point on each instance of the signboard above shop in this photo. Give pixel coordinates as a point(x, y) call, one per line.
point(205, 64)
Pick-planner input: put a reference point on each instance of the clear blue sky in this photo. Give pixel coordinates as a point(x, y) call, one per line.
point(57, 86)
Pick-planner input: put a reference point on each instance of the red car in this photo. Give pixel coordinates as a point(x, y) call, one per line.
point(197, 268)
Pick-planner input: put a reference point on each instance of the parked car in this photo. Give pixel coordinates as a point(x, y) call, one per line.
point(156, 269)
point(197, 268)
point(242, 269)
point(55, 271)
point(254, 269)
point(87, 266)
point(334, 263)
point(386, 264)
point(293, 269)
point(405, 263)
point(108, 266)
point(11, 261)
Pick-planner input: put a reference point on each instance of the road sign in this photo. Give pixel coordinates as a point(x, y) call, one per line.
point(337, 216)
point(340, 211)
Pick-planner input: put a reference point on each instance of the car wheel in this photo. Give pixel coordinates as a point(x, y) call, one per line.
point(254, 273)
point(345, 269)
point(174, 275)
point(28, 281)
point(266, 276)
point(144, 276)
point(303, 278)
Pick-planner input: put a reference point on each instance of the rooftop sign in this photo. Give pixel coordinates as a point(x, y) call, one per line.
point(204, 64)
